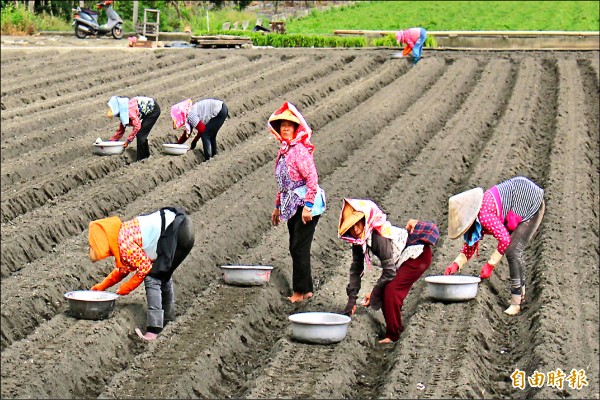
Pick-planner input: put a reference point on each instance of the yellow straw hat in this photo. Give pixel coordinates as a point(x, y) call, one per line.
point(286, 115)
point(463, 208)
point(349, 217)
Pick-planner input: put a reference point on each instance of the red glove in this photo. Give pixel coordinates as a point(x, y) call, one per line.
point(451, 270)
point(130, 285)
point(486, 271)
point(114, 277)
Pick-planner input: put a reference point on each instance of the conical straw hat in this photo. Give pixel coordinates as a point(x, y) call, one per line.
point(286, 115)
point(349, 217)
point(463, 208)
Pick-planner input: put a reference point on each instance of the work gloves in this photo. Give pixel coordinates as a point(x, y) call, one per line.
point(114, 277)
point(486, 271)
point(451, 270)
point(130, 285)
point(193, 145)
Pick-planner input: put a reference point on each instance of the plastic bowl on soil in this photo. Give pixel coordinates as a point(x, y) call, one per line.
point(452, 287)
point(91, 304)
point(174, 149)
point(246, 275)
point(319, 327)
point(107, 148)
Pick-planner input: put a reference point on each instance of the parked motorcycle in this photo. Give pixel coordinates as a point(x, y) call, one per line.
point(85, 21)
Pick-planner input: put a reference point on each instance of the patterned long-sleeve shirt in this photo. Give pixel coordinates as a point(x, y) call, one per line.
point(133, 257)
point(301, 167)
point(517, 196)
point(138, 108)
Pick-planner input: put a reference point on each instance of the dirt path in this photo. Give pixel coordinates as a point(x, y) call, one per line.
point(407, 137)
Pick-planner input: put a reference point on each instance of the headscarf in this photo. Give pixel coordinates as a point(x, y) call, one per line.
point(400, 36)
point(303, 132)
point(119, 106)
point(180, 112)
point(375, 219)
point(103, 238)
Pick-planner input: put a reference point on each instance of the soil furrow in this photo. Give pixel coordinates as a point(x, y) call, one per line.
point(106, 83)
point(456, 120)
point(376, 155)
point(59, 154)
point(90, 203)
point(209, 182)
point(254, 195)
point(56, 126)
point(35, 194)
point(56, 75)
point(570, 237)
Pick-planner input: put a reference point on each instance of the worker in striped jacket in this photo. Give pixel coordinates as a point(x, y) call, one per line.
point(511, 211)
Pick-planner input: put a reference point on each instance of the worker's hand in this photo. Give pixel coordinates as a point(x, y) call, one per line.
point(410, 225)
point(306, 215)
point(367, 301)
point(486, 271)
point(451, 270)
point(125, 145)
point(193, 145)
point(98, 287)
point(350, 309)
point(275, 217)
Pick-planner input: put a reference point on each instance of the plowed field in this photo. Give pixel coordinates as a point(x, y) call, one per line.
point(406, 137)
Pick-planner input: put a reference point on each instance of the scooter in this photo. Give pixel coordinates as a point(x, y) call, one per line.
point(85, 21)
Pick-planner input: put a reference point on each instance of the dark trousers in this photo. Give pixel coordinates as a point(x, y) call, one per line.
point(301, 236)
point(209, 136)
point(143, 148)
point(397, 289)
point(519, 240)
point(160, 293)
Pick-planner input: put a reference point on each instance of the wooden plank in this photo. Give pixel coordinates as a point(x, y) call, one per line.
point(473, 33)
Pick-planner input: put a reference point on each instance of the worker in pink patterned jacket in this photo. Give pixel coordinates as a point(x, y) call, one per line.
point(414, 39)
point(299, 201)
point(511, 211)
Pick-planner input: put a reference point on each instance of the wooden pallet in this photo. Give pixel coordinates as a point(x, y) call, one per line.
point(221, 41)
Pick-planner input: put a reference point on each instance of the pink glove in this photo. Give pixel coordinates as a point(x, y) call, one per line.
point(451, 270)
point(486, 271)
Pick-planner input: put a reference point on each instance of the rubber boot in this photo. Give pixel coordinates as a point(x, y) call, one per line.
point(515, 305)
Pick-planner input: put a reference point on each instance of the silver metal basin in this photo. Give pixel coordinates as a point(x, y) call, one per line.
point(91, 304)
point(319, 327)
point(246, 275)
point(452, 287)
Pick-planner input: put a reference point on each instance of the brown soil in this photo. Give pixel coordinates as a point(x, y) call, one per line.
point(407, 137)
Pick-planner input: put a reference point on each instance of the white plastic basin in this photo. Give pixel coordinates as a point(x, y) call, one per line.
point(107, 148)
point(174, 149)
point(319, 327)
point(452, 287)
point(246, 275)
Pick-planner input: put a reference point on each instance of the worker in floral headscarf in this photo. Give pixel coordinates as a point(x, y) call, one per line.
point(150, 245)
point(299, 201)
point(207, 116)
point(141, 113)
point(405, 254)
point(510, 211)
point(414, 39)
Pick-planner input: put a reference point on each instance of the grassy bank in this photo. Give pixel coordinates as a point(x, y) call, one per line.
point(454, 15)
point(374, 15)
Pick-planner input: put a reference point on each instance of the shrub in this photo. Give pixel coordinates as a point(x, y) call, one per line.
point(294, 40)
point(17, 20)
